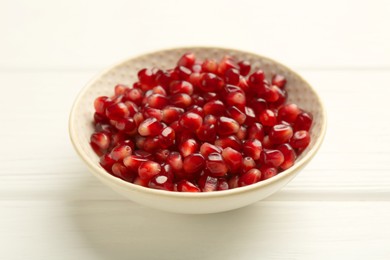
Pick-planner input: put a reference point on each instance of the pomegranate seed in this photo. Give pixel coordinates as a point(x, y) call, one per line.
point(186, 186)
point(138, 118)
point(210, 96)
point(233, 182)
point(153, 112)
point(207, 133)
point(191, 121)
point(181, 100)
point(120, 152)
point(161, 155)
point(167, 170)
point(148, 169)
point(272, 94)
point(222, 184)
point(252, 148)
point(146, 77)
point(133, 162)
point(268, 172)
point(267, 117)
point(117, 111)
point(120, 89)
point(300, 139)
point(273, 157)
point(187, 60)
point(161, 182)
point(171, 114)
point(132, 107)
point(211, 82)
point(214, 107)
point(100, 140)
point(242, 133)
point(256, 131)
point(259, 105)
point(279, 81)
point(233, 159)
point(236, 114)
point(157, 101)
point(198, 100)
point(210, 66)
point(134, 95)
point(250, 177)
point(288, 113)
point(159, 90)
point(289, 156)
point(227, 126)
point(232, 76)
point(197, 110)
point(126, 125)
point(167, 137)
point(99, 119)
point(267, 142)
point(175, 161)
point(120, 171)
point(183, 72)
point(163, 78)
point(181, 87)
point(152, 144)
point(141, 182)
point(225, 64)
point(257, 78)
point(243, 84)
point(100, 105)
point(194, 163)
point(206, 149)
point(245, 67)
point(106, 162)
point(250, 116)
point(303, 122)
point(143, 154)
point(280, 133)
point(150, 127)
point(230, 141)
point(208, 183)
point(236, 99)
point(188, 147)
point(210, 120)
point(215, 165)
point(247, 164)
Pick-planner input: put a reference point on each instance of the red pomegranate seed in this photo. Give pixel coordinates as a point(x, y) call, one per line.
point(206, 149)
point(289, 156)
point(250, 177)
point(210, 66)
point(181, 100)
point(300, 139)
point(138, 118)
point(247, 164)
point(148, 169)
point(183, 72)
point(280, 133)
point(117, 111)
point(267, 144)
point(141, 182)
point(279, 81)
point(288, 113)
point(259, 105)
point(210, 120)
point(133, 162)
point(120, 89)
point(208, 183)
point(101, 140)
point(161, 182)
point(207, 133)
point(175, 161)
point(236, 114)
point(233, 182)
point(150, 127)
point(197, 110)
point(214, 107)
point(171, 114)
point(106, 162)
point(236, 99)
point(232, 76)
point(211, 82)
point(243, 84)
point(167, 170)
point(272, 94)
point(159, 90)
point(188, 147)
point(227, 126)
point(181, 87)
point(191, 121)
point(230, 141)
point(250, 116)
point(152, 112)
point(143, 154)
point(194, 163)
point(222, 184)
point(101, 104)
point(167, 137)
point(252, 148)
point(225, 64)
point(210, 96)
point(121, 151)
point(233, 159)
point(256, 131)
point(273, 157)
point(134, 95)
point(157, 101)
point(146, 77)
point(303, 122)
point(257, 78)
point(245, 67)
point(242, 133)
point(133, 108)
point(119, 170)
point(198, 100)
point(99, 119)
point(215, 165)
point(161, 155)
point(268, 172)
point(187, 60)
point(126, 125)
point(186, 186)
point(152, 144)
point(267, 117)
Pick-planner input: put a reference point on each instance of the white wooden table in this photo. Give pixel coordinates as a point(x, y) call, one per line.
point(52, 208)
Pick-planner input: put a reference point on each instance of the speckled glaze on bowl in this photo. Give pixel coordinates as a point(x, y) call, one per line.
point(81, 128)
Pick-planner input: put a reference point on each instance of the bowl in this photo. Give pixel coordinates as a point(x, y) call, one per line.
point(81, 128)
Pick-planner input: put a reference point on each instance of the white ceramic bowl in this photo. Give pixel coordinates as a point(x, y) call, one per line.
point(81, 128)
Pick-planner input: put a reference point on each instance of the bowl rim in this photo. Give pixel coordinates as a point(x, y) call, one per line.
point(98, 170)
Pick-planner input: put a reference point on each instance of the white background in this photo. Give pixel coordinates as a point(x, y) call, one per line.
point(52, 208)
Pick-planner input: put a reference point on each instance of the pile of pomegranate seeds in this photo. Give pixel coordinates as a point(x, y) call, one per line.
point(201, 126)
